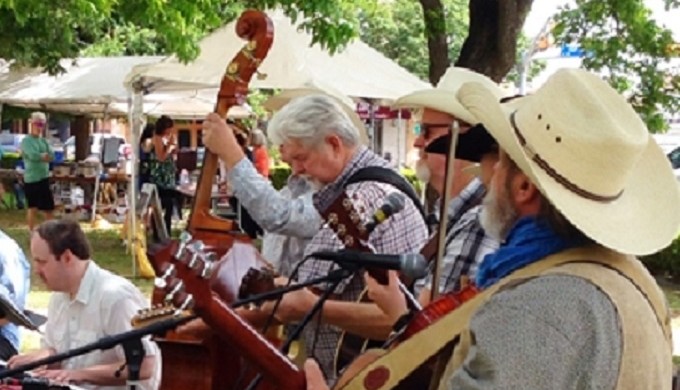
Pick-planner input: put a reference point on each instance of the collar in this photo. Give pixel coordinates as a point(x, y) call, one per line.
point(87, 283)
point(363, 157)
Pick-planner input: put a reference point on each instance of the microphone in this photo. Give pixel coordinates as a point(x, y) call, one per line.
point(394, 203)
point(412, 265)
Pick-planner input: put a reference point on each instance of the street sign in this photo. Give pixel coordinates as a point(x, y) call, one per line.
point(571, 50)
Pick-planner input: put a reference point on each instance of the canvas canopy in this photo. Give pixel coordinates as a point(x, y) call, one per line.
point(357, 71)
point(88, 86)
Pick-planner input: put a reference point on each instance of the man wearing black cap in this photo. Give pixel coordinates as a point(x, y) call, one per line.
point(466, 241)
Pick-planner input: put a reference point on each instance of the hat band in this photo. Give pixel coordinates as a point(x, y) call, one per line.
point(554, 174)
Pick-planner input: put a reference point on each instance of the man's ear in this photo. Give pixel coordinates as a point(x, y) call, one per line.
point(525, 191)
point(66, 257)
point(334, 141)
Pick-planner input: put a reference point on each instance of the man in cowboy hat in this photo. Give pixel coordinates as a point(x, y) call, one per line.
point(581, 188)
point(466, 241)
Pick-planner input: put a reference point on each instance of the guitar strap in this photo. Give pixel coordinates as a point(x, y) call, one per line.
point(390, 369)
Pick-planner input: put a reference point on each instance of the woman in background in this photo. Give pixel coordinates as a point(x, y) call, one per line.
point(145, 147)
point(163, 170)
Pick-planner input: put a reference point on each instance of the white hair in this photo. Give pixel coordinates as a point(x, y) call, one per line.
point(310, 119)
point(38, 116)
point(257, 137)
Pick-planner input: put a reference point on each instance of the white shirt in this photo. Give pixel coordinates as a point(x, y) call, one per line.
point(104, 305)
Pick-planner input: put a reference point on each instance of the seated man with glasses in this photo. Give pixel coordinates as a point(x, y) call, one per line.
point(37, 154)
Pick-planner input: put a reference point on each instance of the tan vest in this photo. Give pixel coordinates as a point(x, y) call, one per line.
point(646, 361)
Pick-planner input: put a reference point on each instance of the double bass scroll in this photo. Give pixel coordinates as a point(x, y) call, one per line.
point(258, 30)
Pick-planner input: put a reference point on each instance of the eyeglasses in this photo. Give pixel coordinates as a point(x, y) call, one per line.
point(39, 125)
point(424, 128)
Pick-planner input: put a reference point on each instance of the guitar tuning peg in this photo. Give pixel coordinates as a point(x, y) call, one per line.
point(207, 270)
point(185, 237)
point(210, 257)
point(159, 283)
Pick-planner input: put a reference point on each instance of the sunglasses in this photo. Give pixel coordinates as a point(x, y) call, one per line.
point(39, 125)
point(424, 128)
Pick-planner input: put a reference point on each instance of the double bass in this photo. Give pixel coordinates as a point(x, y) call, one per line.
point(227, 358)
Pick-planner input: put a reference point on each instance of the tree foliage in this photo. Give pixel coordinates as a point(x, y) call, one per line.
point(397, 29)
point(624, 43)
point(40, 33)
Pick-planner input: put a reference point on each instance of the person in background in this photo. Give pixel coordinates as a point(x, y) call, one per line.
point(260, 154)
point(145, 147)
point(246, 221)
point(163, 170)
point(37, 155)
point(88, 303)
point(15, 282)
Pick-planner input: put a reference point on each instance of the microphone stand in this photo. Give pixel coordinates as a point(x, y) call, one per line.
point(335, 277)
point(134, 352)
point(276, 293)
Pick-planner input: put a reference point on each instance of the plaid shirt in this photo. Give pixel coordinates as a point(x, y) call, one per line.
point(466, 241)
point(404, 232)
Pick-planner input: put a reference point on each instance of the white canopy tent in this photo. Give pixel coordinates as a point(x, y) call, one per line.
point(358, 71)
point(88, 86)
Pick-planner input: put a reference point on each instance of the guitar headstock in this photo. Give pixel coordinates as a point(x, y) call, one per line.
point(146, 317)
point(185, 279)
point(345, 220)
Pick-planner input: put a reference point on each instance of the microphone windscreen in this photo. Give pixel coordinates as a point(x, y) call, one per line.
point(396, 200)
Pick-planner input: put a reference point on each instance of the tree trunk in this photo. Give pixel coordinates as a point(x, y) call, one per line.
point(81, 130)
point(437, 44)
point(491, 45)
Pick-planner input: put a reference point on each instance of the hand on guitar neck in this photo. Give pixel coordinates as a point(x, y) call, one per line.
point(388, 297)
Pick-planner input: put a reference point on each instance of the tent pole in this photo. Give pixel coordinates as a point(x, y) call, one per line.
point(135, 112)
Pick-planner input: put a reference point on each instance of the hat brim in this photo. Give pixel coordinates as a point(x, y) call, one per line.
point(439, 100)
point(471, 145)
point(643, 220)
point(276, 102)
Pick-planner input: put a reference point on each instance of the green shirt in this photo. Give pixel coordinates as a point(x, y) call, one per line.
point(32, 149)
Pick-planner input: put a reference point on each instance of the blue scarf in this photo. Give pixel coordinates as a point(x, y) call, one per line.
point(527, 242)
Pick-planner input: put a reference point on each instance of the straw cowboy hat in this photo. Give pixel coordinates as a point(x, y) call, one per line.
point(443, 97)
point(276, 102)
point(591, 155)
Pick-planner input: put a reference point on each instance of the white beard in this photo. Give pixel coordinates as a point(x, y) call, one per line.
point(498, 216)
point(313, 183)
